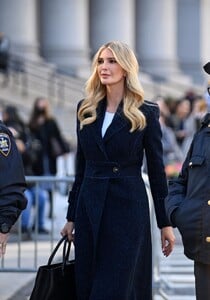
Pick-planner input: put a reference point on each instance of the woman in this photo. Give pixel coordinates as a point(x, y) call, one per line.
point(45, 129)
point(108, 205)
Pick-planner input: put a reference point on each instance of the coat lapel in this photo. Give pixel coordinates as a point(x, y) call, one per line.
point(117, 124)
point(97, 125)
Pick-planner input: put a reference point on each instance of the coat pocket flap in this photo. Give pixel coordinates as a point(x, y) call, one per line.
point(196, 161)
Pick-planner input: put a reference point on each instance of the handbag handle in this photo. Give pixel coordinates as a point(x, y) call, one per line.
point(66, 252)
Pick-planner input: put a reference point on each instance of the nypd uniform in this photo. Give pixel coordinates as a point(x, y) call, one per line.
point(188, 205)
point(12, 181)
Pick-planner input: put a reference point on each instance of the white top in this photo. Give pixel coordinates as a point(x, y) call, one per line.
point(107, 121)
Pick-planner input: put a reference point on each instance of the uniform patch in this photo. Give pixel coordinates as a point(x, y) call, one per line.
point(5, 144)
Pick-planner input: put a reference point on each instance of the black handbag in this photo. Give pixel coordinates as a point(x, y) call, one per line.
point(56, 281)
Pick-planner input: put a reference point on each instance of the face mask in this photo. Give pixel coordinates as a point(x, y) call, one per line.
point(40, 111)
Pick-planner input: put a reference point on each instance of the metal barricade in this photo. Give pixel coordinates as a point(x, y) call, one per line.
point(26, 256)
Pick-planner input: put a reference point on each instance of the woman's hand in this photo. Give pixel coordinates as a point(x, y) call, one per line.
point(68, 230)
point(3, 243)
point(168, 240)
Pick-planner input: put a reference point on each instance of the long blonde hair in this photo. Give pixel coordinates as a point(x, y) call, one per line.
point(96, 91)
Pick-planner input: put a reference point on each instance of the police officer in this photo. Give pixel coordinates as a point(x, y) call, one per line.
point(12, 185)
point(188, 205)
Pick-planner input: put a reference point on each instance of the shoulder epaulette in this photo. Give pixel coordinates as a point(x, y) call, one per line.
point(206, 120)
point(150, 103)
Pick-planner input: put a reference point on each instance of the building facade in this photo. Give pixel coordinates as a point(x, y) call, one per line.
point(170, 37)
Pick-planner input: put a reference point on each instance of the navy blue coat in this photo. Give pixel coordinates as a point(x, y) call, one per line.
point(109, 205)
point(188, 201)
point(12, 179)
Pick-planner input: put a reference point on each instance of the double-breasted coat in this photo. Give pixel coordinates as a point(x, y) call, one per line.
point(109, 205)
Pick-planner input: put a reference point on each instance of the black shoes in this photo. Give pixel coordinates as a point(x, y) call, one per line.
point(26, 234)
point(41, 230)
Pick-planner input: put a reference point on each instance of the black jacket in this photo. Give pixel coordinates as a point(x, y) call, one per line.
point(45, 133)
point(188, 201)
point(12, 180)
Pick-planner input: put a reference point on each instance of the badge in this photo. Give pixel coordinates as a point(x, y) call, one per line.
point(5, 144)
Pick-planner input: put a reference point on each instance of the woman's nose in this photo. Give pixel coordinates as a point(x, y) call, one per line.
point(104, 66)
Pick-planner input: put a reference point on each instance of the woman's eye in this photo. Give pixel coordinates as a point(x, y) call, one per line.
point(100, 61)
point(112, 61)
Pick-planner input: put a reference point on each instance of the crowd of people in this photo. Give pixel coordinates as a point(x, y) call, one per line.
point(35, 140)
point(180, 119)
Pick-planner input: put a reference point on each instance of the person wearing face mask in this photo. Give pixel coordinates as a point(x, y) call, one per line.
point(44, 127)
point(108, 204)
point(188, 205)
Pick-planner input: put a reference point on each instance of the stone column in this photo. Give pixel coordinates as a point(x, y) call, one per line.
point(189, 37)
point(156, 36)
point(112, 20)
point(18, 20)
point(64, 34)
point(205, 32)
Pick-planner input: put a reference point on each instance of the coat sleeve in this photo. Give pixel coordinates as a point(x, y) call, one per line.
point(79, 173)
point(12, 179)
point(61, 140)
point(155, 166)
point(177, 188)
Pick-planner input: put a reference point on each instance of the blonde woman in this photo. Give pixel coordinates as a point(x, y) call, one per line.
point(108, 204)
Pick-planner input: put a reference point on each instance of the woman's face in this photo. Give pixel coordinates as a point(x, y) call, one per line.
point(109, 71)
point(42, 107)
point(42, 104)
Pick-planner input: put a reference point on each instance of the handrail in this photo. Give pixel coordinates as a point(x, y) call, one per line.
point(60, 85)
point(44, 77)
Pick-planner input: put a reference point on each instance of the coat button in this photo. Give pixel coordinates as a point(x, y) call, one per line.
point(208, 239)
point(190, 164)
point(115, 169)
point(208, 202)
